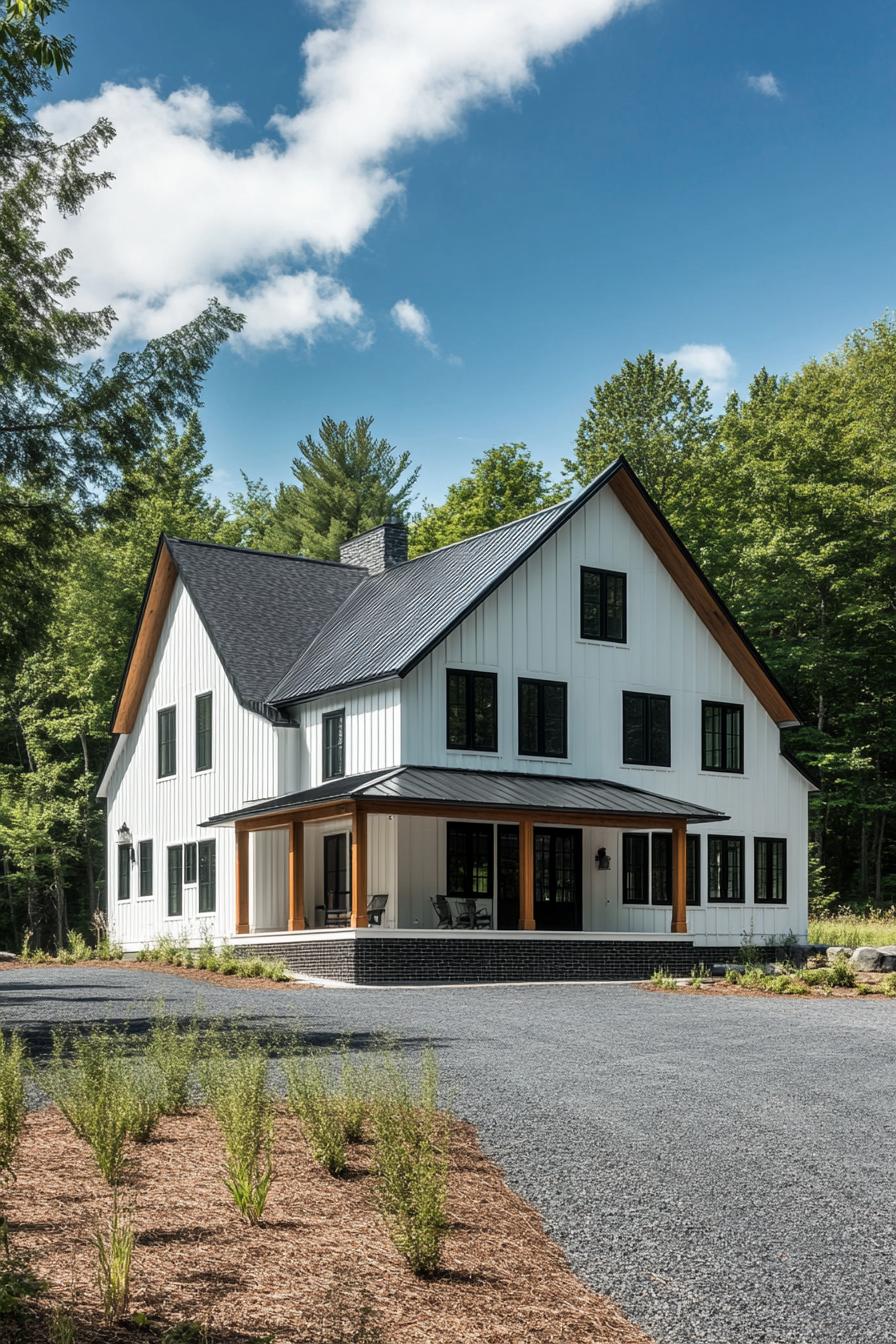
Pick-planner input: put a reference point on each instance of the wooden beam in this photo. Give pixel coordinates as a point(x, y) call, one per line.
point(679, 877)
point(277, 821)
point(296, 875)
point(707, 607)
point(527, 873)
point(359, 866)
point(242, 881)
point(146, 641)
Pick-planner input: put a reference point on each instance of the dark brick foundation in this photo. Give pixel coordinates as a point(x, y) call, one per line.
point(408, 961)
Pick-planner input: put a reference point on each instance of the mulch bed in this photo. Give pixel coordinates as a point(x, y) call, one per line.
point(188, 972)
point(716, 987)
point(321, 1250)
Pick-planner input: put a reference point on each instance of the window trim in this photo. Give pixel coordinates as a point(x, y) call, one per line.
point(332, 716)
point(142, 847)
point(470, 674)
point(726, 900)
point(203, 697)
point(603, 637)
point(541, 753)
point(769, 840)
point(725, 706)
point(648, 696)
point(172, 710)
point(178, 914)
point(211, 881)
point(125, 852)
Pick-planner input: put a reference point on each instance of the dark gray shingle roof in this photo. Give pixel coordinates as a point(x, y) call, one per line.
point(260, 610)
point(489, 789)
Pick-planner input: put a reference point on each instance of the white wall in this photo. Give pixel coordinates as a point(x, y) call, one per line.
point(530, 626)
point(250, 761)
point(372, 731)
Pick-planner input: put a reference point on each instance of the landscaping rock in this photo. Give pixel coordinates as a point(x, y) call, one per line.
point(835, 953)
point(7, 956)
point(865, 959)
point(887, 958)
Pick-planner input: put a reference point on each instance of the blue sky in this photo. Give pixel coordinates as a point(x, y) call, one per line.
point(636, 192)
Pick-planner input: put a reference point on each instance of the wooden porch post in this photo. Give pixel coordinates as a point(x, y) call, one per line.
point(527, 873)
point(679, 877)
point(359, 866)
point(242, 881)
point(296, 874)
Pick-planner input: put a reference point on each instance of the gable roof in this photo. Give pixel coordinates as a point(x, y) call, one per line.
point(259, 609)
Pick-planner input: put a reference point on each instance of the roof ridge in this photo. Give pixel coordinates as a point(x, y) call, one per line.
point(272, 555)
point(487, 532)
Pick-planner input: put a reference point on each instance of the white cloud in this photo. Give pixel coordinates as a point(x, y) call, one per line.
point(187, 217)
point(408, 317)
point(766, 84)
point(712, 363)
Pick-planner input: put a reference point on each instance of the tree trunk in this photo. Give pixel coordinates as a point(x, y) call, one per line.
point(59, 894)
point(878, 858)
point(10, 898)
point(88, 849)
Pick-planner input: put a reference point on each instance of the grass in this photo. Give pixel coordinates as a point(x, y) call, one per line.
point(314, 1098)
point(167, 951)
point(663, 980)
point(236, 1085)
point(76, 949)
point(12, 1100)
point(171, 1051)
point(847, 929)
point(115, 1253)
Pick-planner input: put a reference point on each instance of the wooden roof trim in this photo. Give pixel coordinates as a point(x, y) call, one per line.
point(703, 598)
point(146, 640)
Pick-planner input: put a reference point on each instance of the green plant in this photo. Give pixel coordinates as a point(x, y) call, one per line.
point(142, 1092)
point(841, 975)
point(171, 1050)
point(312, 1098)
point(732, 977)
point(751, 953)
point(12, 1099)
point(888, 985)
point(77, 947)
point(186, 1332)
point(850, 928)
point(354, 1094)
point(115, 1253)
point(864, 989)
point(662, 979)
point(699, 974)
point(411, 1163)
point(93, 1091)
point(235, 1082)
point(788, 984)
point(754, 978)
point(344, 1320)
point(61, 1326)
point(19, 1286)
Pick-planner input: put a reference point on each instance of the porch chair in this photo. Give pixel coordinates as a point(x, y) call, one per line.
point(376, 907)
point(477, 916)
point(443, 911)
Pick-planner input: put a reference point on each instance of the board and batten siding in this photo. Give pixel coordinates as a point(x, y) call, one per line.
point(530, 627)
point(372, 730)
point(251, 759)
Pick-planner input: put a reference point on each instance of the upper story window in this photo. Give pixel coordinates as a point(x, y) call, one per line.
point(206, 876)
point(472, 711)
point(124, 872)
point(542, 717)
point(167, 721)
point(726, 869)
point(770, 872)
point(603, 605)
point(146, 868)
point(646, 731)
point(334, 744)
point(204, 731)
point(723, 737)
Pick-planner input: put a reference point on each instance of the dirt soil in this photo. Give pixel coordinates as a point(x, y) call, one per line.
point(321, 1255)
point(188, 972)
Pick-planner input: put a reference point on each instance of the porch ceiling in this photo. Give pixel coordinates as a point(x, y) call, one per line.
point(494, 790)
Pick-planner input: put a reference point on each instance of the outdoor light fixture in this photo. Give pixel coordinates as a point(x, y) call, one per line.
point(602, 859)
point(125, 838)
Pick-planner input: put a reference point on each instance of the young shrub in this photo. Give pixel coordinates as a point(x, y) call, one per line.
point(115, 1253)
point(19, 1287)
point(699, 974)
point(662, 979)
point(142, 1092)
point(275, 970)
point(411, 1163)
point(171, 1051)
point(62, 1326)
point(888, 985)
point(78, 949)
point(788, 984)
point(732, 977)
point(841, 975)
point(354, 1094)
point(754, 978)
point(319, 1109)
point(12, 1100)
point(92, 1091)
point(236, 1085)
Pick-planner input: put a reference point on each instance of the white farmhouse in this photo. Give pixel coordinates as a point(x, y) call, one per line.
point(546, 752)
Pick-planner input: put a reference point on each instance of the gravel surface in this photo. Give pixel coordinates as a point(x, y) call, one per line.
point(724, 1168)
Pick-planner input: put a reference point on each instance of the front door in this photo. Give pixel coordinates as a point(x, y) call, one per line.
point(558, 878)
point(337, 886)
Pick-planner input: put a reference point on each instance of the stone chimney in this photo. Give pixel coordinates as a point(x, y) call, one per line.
point(378, 549)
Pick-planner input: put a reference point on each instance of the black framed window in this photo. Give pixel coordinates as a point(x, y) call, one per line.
point(167, 730)
point(635, 867)
point(646, 729)
point(726, 869)
point(542, 717)
point(334, 744)
point(723, 737)
point(190, 863)
point(124, 872)
point(204, 731)
point(175, 879)
point(206, 876)
point(145, 865)
point(470, 853)
point(603, 605)
point(770, 871)
point(472, 710)
point(661, 869)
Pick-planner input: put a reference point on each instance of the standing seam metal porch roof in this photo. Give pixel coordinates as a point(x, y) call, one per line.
point(487, 789)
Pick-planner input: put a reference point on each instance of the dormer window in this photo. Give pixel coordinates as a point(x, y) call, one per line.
point(603, 605)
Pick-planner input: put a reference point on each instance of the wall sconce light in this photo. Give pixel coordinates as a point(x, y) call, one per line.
point(125, 838)
point(602, 859)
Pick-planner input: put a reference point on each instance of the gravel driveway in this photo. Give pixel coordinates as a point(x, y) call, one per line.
point(725, 1169)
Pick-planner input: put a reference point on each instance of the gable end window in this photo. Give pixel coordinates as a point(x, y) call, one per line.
point(770, 872)
point(206, 876)
point(175, 880)
point(661, 869)
point(646, 734)
point(542, 717)
point(204, 731)
point(145, 867)
point(167, 727)
point(723, 737)
point(603, 605)
point(334, 744)
point(124, 872)
point(726, 869)
point(472, 711)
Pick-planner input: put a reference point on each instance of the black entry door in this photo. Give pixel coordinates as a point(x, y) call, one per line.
point(558, 878)
point(337, 892)
point(508, 877)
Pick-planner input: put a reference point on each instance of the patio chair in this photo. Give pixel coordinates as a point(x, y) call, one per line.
point(376, 907)
point(476, 916)
point(443, 911)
